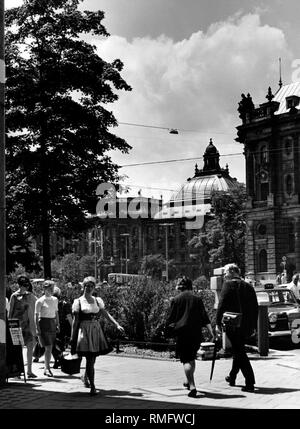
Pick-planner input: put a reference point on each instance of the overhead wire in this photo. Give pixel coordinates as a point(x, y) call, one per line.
point(198, 157)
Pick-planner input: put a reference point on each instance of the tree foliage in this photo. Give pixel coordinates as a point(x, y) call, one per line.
point(58, 131)
point(222, 239)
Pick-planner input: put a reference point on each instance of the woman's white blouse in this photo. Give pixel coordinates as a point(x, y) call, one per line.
point(46, 306)
point(86, 307)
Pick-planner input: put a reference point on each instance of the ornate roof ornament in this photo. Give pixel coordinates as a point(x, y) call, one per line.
point(269, 96)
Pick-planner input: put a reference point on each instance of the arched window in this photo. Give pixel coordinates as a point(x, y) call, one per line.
point(263, 261)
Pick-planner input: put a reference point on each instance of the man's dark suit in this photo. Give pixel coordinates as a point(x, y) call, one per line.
point(239, 296)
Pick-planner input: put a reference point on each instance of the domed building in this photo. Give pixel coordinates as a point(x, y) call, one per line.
point(192, 201)
point(141, 226)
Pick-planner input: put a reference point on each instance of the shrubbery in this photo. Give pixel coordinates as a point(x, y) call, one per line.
point(142, 308)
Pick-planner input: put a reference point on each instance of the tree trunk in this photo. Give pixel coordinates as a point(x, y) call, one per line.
point(46, 244)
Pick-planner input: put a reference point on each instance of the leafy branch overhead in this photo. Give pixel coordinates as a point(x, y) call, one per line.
point(58, 129)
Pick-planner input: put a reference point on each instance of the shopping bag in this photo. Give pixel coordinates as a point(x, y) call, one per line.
point(70, 364)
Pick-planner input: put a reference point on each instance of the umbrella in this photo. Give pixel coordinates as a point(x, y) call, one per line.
point(213, 359)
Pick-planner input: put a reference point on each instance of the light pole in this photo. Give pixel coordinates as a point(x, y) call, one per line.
point(166, 225)
point(126, 235)
point(96, 241)
point(2, 206)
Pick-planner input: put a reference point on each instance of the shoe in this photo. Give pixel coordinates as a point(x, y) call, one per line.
point(31, 375)
point(230, 381)
point(186, 385)
point(85, 381)
point(48, 373)
point(248, 388)
point(93, 391)
point(192, 393)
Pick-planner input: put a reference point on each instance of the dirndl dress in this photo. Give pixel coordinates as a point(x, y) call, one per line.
point(91, 340)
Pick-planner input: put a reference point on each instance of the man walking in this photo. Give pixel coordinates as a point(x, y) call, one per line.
point(187, 317)
point(238, 296)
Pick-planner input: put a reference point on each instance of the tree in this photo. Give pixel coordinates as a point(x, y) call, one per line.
point(222, 239)
point(58, 134)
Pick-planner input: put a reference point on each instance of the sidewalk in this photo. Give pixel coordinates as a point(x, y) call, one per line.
point(139, 383)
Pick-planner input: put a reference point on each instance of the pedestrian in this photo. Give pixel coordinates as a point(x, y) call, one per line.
point(47, 322)
point(187, 317)
point(21, 306)
point(294, 286)
point(87, 338)
point(238, 296)
point(65, 323)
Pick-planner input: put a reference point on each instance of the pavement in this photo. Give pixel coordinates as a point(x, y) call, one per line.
point(146, 384)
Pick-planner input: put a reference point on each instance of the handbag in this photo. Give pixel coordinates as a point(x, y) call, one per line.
point(232, 320)
point(38, 351)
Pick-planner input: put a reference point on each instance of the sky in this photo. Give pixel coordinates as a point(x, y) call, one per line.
point(188, 63)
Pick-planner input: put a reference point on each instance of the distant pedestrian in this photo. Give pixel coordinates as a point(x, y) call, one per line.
point(294, 286)
point(87, 338)
point(65, 322)
point(186, 319)
point(238, 296)
point(47, 322)
point(21, 306)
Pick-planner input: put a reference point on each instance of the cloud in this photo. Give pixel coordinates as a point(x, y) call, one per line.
point(194, 84)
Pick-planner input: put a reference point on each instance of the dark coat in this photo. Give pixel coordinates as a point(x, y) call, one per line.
point(187, 312)
point(248, 306)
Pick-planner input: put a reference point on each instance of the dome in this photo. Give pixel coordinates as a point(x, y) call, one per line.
point(201, 188)
point(194, 197)
point(211, 149)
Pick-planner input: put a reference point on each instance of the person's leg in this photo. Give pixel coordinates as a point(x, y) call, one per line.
point(48, 351)
point(245, 365)
point(90, 372)
point(235, 356)
point(29, 346)
point(189, 370)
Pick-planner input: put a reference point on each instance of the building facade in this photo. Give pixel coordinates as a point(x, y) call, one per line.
point(270, 134)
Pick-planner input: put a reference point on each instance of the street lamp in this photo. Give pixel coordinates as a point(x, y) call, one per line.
point(126, 235)
point(96, 247)
point(166, 225)
point(2, 206)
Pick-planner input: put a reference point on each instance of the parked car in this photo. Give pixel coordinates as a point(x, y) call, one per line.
point(283, 311)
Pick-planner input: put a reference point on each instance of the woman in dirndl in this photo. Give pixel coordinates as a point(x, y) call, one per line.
point(87, 337)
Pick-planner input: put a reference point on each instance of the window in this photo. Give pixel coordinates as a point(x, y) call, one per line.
point(263, 155)
point(291, 235)
point(263, 261)
point(288, 146)
point(264, 191)
point(262, 229)
point(289, 184)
